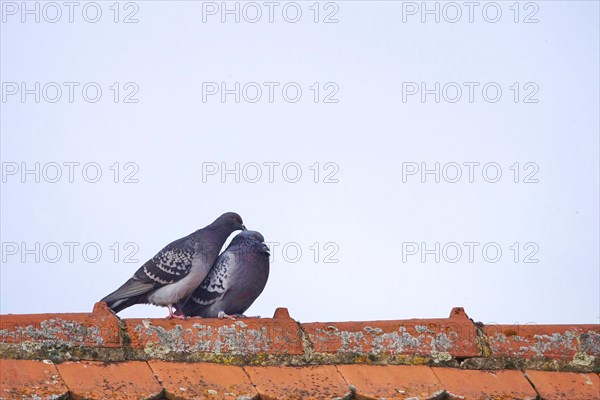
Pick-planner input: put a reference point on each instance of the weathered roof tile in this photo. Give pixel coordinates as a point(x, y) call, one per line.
point(484, 385)
point(565, 342)
point(438, 339)
point(298, 383)
point(77, 332)
point(97, 380)
point(279, 358)
point(199, 339)
point(391, 381)
point(203, 381)
point(565, 385)
point(28, 379)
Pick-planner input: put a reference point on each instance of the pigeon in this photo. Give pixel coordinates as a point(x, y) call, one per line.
point(234, 282)
point(178, 269)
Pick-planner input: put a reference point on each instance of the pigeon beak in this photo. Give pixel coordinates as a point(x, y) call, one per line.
point(244, 228)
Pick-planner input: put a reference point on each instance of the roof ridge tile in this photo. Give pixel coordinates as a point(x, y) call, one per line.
point(455, 341)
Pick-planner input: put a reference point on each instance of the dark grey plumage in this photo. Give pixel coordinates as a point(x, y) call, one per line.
point(234, 282)
point(174, 273)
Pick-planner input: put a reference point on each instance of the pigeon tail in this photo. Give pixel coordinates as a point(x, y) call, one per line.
point(120, 305)
point(130, 293)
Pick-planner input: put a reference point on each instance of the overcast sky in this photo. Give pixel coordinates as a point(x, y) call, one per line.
point(398, 166)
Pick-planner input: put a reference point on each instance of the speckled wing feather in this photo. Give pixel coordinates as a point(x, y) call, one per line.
point(214, 285)
point(170, 265)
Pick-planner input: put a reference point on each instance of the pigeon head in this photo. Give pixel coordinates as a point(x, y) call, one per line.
point(252, 235)
point(231, 221)
point(255, 240)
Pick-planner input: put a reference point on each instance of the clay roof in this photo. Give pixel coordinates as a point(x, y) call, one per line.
point(97, 355)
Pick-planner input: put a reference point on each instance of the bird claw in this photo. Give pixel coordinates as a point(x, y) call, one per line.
point(222, 315)
point(175, 316)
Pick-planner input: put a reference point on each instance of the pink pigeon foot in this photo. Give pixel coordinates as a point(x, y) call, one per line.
point(177, 315)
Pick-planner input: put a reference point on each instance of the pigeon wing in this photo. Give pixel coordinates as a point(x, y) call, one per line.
point(215, 285)
point(170, 265)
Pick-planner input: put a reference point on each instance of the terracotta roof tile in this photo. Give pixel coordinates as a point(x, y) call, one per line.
point(27, 379)
point(203, 381)
point(279, 358)
point(298, 383)
point(565, 385)
point(211, 336)
point(484, 385)
point(38, 335)
point(392, 381)
point(548, 341)
point(96, 380)
point(440, 338)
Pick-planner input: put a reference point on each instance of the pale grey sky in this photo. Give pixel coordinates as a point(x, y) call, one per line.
point(324, 153)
